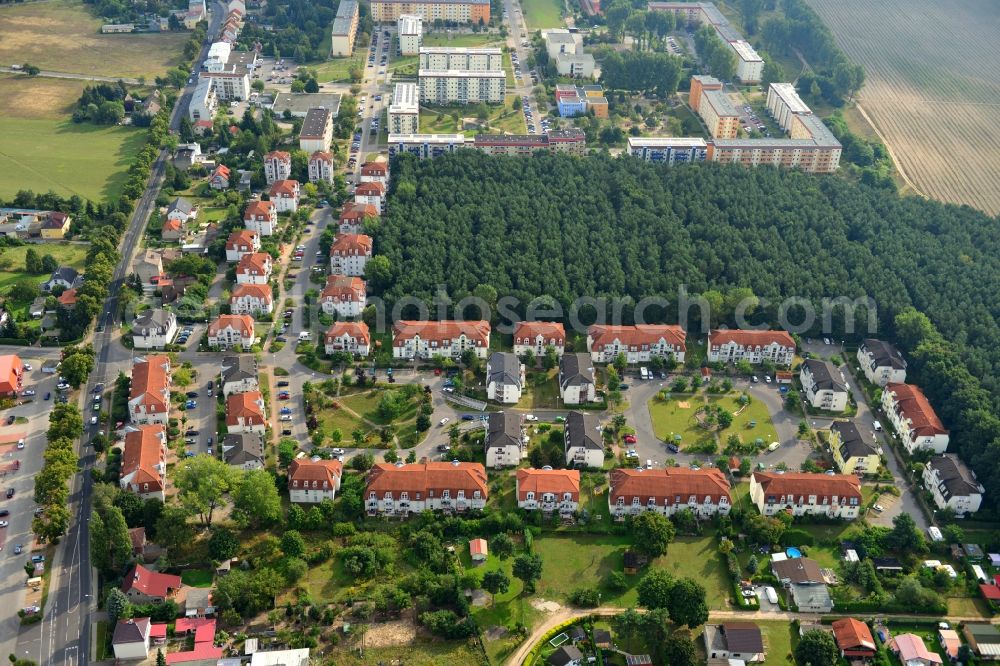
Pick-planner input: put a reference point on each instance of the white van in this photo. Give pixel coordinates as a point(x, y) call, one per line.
point(644, 372)
point(304, 335)
point(877, 426)
point(771, 595)
point(773, 446)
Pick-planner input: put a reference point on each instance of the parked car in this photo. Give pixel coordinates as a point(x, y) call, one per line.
point(192, 394)
point(444, 448)
point(630, 439)
point(48, 395)
point(285, 417)
point(282, 383)
point(11, 419)
point(28, 393)
point(443, 421)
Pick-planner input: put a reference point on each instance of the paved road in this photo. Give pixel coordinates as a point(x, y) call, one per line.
point(518, 33)
point(82, 77)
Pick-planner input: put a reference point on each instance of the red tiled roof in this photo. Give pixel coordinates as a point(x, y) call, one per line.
point(303, 472)
point(242, 323)
point(750, 338)
point(374, 169)
point(221, 170)
point(351, 245)
point(425, 477)
point(259, 209)
point(478, 547)
point(204, 641)
point(370, 189)
point(555, 481)
point(804, 484)
point(666, 484)
point(404, 330)
point(150, 583)
point(526, 331)
point(357, 330)
point(68, 297)
point(321, 155)
point(149, 382)
point(254, 263)
point(259, 291)
point(245, 408)
point(284, 188)
point(343, 288)
point(916, 408)
point(990, 591)
point(641, 334)
point(144, 452)
point(241, 238)
point(355, 213)
point(158, 630)
point(853, 635)
point(279, 155)
point(172, 224)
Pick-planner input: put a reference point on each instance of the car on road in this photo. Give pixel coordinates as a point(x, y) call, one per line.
point(443, 421)
point(879, 508)
point(3, 523)
point(35, 559)
point(444, 448)
point(630, 439)
point(191, 432)
point(468, 417)
point(190, 440)
point(4, 513)
point(530, 417)
point(284, 395)
point(11, 419)
point(754, 379)
point(623, 387)
point(48, 395)
point(18, 549)
point(28, 393)
point(773, 446)
point(62, 386)
point(93, 420)
point(673, 448)
point(286, 410)
point(282, 383)
point(285, 417)
point(28, 367)
point(286, 432)
point(20, 444)
point(10, 493)
point(767, 378)
point(190, 404)
point(192, 394)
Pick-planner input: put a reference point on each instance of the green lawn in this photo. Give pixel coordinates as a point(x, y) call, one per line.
point(364, 403)
point(440, 120)
point(338, 69)
point(543, 394)
point(755, 411)
point(466, 40)
point(198, 577)
point(59, 155)
point(421, 653)
point(12, 261)
point(572, 561)
point(103, 644)
point(540, 14)
point(780, 638)
point(677, 417)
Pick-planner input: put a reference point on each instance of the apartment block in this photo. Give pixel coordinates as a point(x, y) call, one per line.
point(699, 84)
point(448, 339)
point(410, 29)
point(426, 145)
point(404, 111)
point(638, 343)
point(317, 130)
point(344, 29)
point(752, 346)
point(783, 102)
point(569, 141)
point(462, 87)
point(460, 11)
point(668, 149)
point(720, 115)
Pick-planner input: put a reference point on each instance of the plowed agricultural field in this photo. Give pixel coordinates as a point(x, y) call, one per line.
point(933, 88)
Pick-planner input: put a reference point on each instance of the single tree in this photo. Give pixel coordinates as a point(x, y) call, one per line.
point(502, 546)
point(654, 589)
point(256, 501)
point(688, 604)
point(652, 533)
point(816, 648)
point(528, 568)
point(292, 544)
point(223, 544)
point(495, 582)
point(117, 606)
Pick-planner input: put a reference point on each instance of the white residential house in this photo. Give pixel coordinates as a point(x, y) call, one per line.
point(576, 379)
point(230, 331)
point(881, 362)
point(548, 490)
point(350, 253)
point(321, 167)
point(343, 296)
point(426, 339)
point(245, 413)
point(277, 166)
point(348, 336)
point(372, 193)
point(252, 299)
point(669, 490)
point(806, 494)
point(824, 385)
point(310, 481)
point(154, 329)
point(953, 485)
point(239, 374)
point(261, 217)
point(181, 210)
point(583, 443)
point(403, 490)
point(149, 392)
point(753, 346)
point(504, 378)
point(243, 450)
point(254, 268)
point(504, 441)
point(538, 336)
point(131, 639)
point(242, 242)
point(638, 343)
point(285, 195)
point(913, 418)
point(376, 171)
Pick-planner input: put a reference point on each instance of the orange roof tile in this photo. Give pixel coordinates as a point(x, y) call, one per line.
point(404, 330)
point(144, 452)
point(303, 472)
point(853, 635)
point(280, 155)
point(374, 169)
point(750, 338)
point(150, 380)
point(355, 213)
point(150, 583)
point(241, 238)
point(370, 189)
point(284, 188)
point(343, 288)
point(259, 209)
point(11, 373)
point(804, 484)
point(528, 331)
point(666, 484)
point(640, 334)
point(555, 481)
point(322, 155)
point(916, 408)
point(68, 297)
point(245, 408)
point(351, 244)
point(242, 323)
point(259, 291)
point(254, 263)
point(426, 477)
point(357, 330)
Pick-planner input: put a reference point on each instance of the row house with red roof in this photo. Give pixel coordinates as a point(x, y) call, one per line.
point(752, 346)
point(913, 418)
point(449, 339)
point(245, 413)
point(372, 194)
point(401, 490)
point(251, 299)
point(639, 343)
point(548, 490)
point(376, 171)
point(149, 393)
point(321, 167)
point(310, 481)
point(538, 336)
point(232, 331)
point(343, 296)
point(144, 462)
point(254, 268)
point(348, 336)
point(349, 254)
point(241, 242)
point(353, 216)
point(277, 166)
point(706, 492)
point(806, 494)
point(261, 217)
point(284, 195)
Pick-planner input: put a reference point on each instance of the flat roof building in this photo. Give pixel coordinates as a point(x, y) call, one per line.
point(317, 130)
point(719, 114)
point(425, 145)
point(298, 104)
point(783, 102)
point(460, 11)
point(344, 29)
point(410, 29)
point(669, 149)
point(404, 111)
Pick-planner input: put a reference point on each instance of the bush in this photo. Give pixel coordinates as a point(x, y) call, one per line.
point(585, 597)
point(795, 537)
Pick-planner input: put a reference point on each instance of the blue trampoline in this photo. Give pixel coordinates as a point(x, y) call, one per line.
point(792, 553)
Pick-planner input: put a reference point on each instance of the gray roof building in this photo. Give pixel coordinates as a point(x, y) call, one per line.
point(852, 443)
point(567, 654)
point(583, 429)
point(954, 478)
point(298, 104)
point(575, 370)
point(239, 449)
point(823, 377)
point(153, 322)
point(503, 429)
point(236, 368)
point(181, 205)
point(882, 354)
point(797, 571)
point(504, 368)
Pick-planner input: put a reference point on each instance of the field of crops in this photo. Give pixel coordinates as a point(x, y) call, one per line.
point(933, 88)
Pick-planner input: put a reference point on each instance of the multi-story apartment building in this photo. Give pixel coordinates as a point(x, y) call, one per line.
point(504, 441)
point(881, 362)
point(548, 490)
point(749, 65)
point(851, 451)
point(154, 329)
point(321, 167)
point(410, 29)
point(149, 393)
point(426, 145)
point(353, 216)
point(251, 299)
point(669, 490)
point(311, 481)
point(784, 103)
point(242, 242)
point(803, 154)
point(277, 166)
point(639, 343)
point(582, 440)
point(317, 130)
point(259, 217)
point(459, 11)
point(371, 193)
point(230, 331)
point(952, 485)
point(426, 339)
point(343, 295)
point(576, 379)
point(720, 115)
point(571, 141)
point(245, 412)
point(376, 171)
point(285, 195)
point(239, 374)
point(404, 111)
point(348, 336)
point(504, 378)
point(824, 385)
point(699, 84)
point(668, 149)
point(402, 490)
point(254, 268)
point(806, 494)
point(344, 29)
point(203, 102)
point(538, 336)
point(144, 461)
point(462, 86)
point(752, 346)
point(913, 418)
point(349, 254)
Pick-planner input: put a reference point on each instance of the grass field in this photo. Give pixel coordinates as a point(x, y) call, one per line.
point(540, 14)
point(502, 119)
point(470, 39)
point(65, 157)
point(421, 653)
point(674, 418)
point(339, 69)
point(197, 577)
point(34, 98)
point(61, 35)
point(780, 638)
point(935, 105)
point(12, 261)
